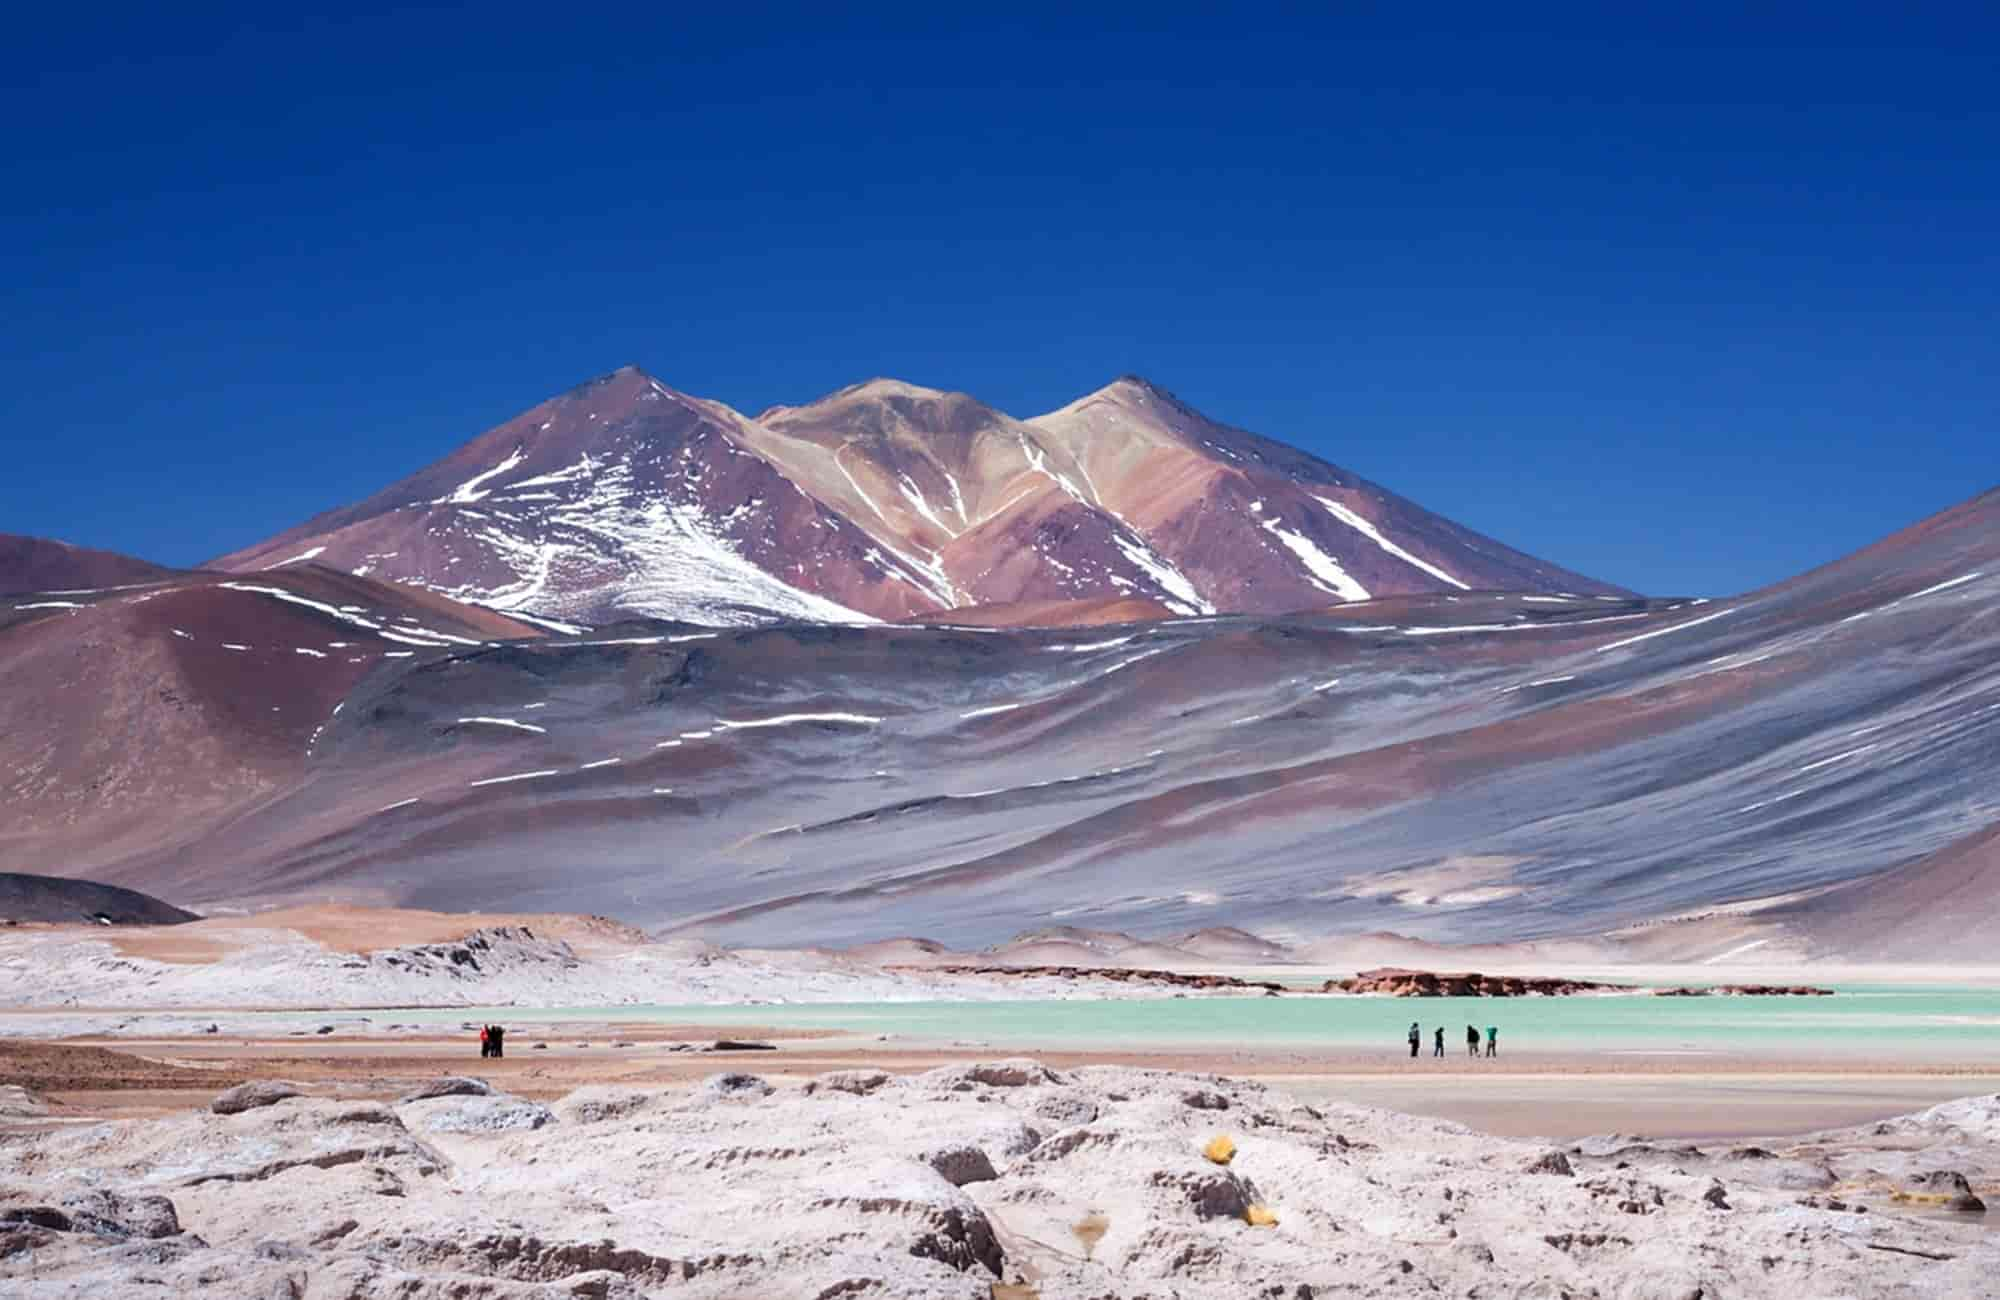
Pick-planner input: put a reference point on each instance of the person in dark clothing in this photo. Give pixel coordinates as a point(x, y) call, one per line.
point(1416, 1038)
point(499, 1036)
point(1472, 1040)
point(1440, 1042)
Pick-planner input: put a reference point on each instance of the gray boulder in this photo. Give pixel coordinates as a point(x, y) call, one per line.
point(449, 1086)
point(251, 1096)
point(483, 1114)
point(960, 1163)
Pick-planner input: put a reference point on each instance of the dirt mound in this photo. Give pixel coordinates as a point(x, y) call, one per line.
point(61, 1067)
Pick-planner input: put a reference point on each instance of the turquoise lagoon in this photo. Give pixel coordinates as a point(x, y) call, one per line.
point(1942, 1024)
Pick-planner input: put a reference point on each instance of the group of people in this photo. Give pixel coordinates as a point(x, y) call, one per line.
point(493, 1038)
point(1416, 1037)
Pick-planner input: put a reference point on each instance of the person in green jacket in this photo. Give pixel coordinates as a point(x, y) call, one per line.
point(1492, 1040)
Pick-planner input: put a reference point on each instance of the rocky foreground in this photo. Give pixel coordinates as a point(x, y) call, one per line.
point(992, 1180)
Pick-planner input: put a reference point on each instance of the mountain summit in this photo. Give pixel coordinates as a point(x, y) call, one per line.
point(888, 500)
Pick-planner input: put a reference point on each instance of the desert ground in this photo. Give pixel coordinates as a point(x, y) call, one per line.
point(364, 1148)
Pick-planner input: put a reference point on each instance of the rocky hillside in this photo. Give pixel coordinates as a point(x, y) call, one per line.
point(55, 898)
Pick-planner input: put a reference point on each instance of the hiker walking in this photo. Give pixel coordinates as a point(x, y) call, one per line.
point(1440, 1042)
point(1492, 1040)
point(1472, 1040)
point(1416, 1037)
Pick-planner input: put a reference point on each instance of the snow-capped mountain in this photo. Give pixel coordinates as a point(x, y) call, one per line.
point(887, 501)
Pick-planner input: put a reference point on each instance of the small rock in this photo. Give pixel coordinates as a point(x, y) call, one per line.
point(449, 1086)
point(250, 1096)
point(858, 1082)
point(739, 1045)
point(479, 1114)
point(1011, 1074)
point(1211, 1194)
point(1551, 1162)
point(1220, 1150)
point(1952, 1186)
point(110, 1215)
point(324, 1029)
point(736, 1087)
point(960, 1163)
point(1203, 1099)
point(1066, 1108)
point(1716, 1196)
point(598, 1103)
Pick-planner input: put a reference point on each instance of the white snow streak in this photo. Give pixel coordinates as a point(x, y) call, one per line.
point(1182, 597)
point(602, 762)
point(1678, 627)
point(1321, 569)
point(915, 496)
point(467, 492)
point(508, 722)
point(1039, 462)
point(1090, 645)
point(1367, 529)
point(400, 803)
point(1476, 627)
point(572, 629)
point(992, 709)
point(300, 558)
point(1847, 753)
point(518, 776)
point(1946, 585)
point(786, 719)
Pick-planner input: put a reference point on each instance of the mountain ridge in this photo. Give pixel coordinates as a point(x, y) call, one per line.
point(886, 500)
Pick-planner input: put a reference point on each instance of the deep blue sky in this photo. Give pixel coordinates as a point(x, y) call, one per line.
point(1688, 304)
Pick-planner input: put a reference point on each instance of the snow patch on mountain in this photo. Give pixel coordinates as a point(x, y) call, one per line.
point(1181, 596)
point(661, 557)
point(1321, 569)
point(1372, 533)
point(468, 491)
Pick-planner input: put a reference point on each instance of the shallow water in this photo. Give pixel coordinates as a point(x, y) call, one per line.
point(1942, 1024)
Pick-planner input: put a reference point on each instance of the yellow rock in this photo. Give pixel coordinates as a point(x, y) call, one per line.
point(1220, 1149)
point(1258, 1216)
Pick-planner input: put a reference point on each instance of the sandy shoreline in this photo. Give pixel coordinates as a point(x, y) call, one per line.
point(1553, 1095)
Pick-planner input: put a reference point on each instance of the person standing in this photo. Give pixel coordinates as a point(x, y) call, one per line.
point(1492, 1040)
point(485, 1041)
point(499, 1041)
point(1440, 1042)
point(1472, 1041)
point(1416, 1037)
